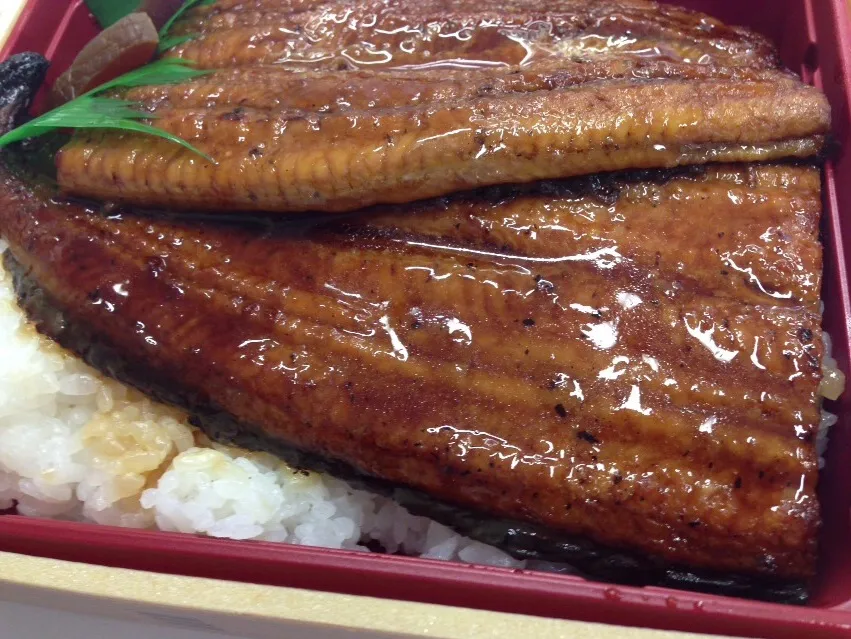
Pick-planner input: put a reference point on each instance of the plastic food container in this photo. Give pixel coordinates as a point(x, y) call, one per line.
point(814, 37)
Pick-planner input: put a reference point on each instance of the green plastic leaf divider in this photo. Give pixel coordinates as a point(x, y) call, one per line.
point(91, 112)
point(183, 9)
point(166, 41)
point(169, 42)
point(108, 12)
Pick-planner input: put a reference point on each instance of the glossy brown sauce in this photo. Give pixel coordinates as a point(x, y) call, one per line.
point(633, 359)
point(602, 358)
point(460, 34)
point(337, 106)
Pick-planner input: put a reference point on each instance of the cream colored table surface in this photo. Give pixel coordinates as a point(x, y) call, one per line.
point(9, 10)
point(48, 599)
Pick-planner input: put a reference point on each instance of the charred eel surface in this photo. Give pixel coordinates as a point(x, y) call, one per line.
point(521, 539)
point(590, 370)
point(533, 354)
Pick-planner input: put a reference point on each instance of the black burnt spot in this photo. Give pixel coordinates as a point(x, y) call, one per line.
point(588, 437)
point(237, 115)
point(528, 322)
point(606, 190)
point(738, 483)
point(255, 153)
point(805, 335)
point(560, 410)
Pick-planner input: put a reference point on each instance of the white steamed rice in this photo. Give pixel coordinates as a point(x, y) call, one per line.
point(76, 445)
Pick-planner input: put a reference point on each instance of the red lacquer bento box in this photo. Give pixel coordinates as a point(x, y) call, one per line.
point(814, 37)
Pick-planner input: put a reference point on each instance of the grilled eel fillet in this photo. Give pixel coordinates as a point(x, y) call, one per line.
point(444, 97)
point(592, 370)
point(345, 34)
point(553, 360)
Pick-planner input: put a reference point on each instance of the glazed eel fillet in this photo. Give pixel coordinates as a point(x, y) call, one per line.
point(335, 106)
point(592, 370)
